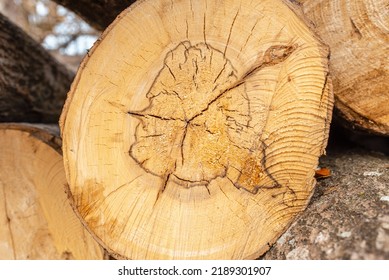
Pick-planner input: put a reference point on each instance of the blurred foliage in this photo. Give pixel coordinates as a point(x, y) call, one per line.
point(59, 30)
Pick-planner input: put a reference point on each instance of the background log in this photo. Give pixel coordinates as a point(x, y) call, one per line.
point(36, 219)
point(98, 13)
point(33, 85)
point(357, 34)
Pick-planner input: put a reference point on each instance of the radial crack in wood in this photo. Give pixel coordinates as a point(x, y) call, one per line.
point(37, 221)
point(195, 133)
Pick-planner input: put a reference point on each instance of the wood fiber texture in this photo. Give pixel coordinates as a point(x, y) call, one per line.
point(193, 129)
point(36, 219)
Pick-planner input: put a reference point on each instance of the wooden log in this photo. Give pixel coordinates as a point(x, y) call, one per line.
point(193, 129)
point(357, 33)
point(348, 217)
point(33, 85)
point(36, 219)
point(98, 13)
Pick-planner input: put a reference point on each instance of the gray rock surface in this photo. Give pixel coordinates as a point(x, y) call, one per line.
point(348, 216)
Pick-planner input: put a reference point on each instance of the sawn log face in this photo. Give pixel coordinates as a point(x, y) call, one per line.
point(194, 134)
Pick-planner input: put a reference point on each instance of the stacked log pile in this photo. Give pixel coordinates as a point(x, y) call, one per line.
point(193, 129)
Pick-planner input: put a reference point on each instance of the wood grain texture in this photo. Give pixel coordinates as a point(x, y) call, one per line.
point(36, 219)
point(357, 32)
point(348, 216)
point(193, 129)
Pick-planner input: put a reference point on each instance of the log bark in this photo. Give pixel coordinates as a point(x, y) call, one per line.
point(33, 85)
point(36, 219)
point(357, 33)
point(348, 217)
point(194, 133)
point(98, 13)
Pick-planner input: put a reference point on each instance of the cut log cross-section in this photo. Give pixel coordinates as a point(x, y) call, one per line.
point(357, 32)
point(36, 219)
point(193, 128)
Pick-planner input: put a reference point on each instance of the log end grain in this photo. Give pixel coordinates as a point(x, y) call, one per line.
point(194, 134)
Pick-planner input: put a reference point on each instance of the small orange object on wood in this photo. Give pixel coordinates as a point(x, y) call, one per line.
point(322, 173)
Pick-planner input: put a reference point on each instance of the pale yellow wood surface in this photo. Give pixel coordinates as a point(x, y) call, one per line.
point(36, 219)
point(357, 32)
point(193, 129)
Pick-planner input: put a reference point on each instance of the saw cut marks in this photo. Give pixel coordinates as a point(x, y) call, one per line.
point(357, 31)
point(194, 128)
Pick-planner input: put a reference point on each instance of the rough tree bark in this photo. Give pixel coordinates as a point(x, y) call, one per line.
point(98, 13)
point(36, 219)
point(194, 132)
point(33, 85)
point(357, 32)
point(348, 217)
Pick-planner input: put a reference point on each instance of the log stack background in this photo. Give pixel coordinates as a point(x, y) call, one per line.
point(348, 216)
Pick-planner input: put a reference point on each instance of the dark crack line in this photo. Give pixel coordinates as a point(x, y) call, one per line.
point(221, 71)
point(323, 90)
point(229, 35)
point(194, 62)
point(121, 186)
point(191, 8)
point(264, 163)
point(209, 192)
point(170, 70)
point(204, 33)
point(166, 181)
point(176, 94)
point(248, 38)
point(182, 143)
point(153, 135)
point(211, 57)
point(187, 29)
point(142, 115)
point(196, 183)
point(356, 29)
point(194, 81)
point(9, 224)
point(216, 99)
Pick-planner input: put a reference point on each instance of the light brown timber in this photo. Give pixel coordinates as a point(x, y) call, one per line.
point(357, 32)
point(193, 128)
point(36, 219)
